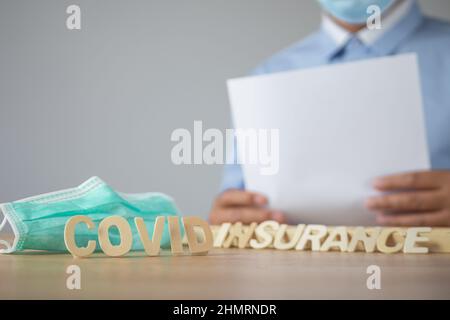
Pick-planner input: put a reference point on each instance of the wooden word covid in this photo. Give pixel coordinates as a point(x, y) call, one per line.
point(192, 225)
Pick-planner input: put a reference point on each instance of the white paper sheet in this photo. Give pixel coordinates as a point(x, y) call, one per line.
point(340, 127)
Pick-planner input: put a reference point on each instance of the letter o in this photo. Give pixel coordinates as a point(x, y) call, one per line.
point(126, 238)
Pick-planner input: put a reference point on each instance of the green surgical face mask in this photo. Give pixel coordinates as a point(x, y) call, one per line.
point(38, 222)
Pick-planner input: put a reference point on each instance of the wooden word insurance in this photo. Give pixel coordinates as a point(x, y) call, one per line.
point(271, 234)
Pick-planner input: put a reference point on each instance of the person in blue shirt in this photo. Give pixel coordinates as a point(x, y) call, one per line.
point(409, 199)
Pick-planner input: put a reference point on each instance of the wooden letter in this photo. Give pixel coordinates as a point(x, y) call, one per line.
point(126, 238)
point(238, 234)
point(221, 234)
point(359, 234)
point(69, 237)
point(282, 231)
point(382, 241)
point(151, 247)
point(194, 246)
point(412, 237)
point(313, 233)
point(264, 235)
point(175, 235)
point(338, 238)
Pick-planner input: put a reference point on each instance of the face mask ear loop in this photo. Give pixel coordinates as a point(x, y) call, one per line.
point(3, 242)
point(3, 223)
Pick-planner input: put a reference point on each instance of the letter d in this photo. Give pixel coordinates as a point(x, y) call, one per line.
point(194, 245)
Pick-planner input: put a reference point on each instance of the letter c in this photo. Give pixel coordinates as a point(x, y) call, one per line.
point(69, 237)
point(383, 239)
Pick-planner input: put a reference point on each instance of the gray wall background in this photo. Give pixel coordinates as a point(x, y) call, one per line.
point(104, 100)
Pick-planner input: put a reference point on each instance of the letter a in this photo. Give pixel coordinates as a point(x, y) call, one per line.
point(74, 280)
point(374, 280)
point(374, 20)
point(73, 21)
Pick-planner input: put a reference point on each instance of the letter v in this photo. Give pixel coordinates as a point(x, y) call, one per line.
point(151, 247)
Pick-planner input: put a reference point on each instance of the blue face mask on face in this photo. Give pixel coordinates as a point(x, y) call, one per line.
point(353, 11)
point(38, 222)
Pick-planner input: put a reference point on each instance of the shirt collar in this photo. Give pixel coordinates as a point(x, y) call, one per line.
point(339, 35)
point(399, 24)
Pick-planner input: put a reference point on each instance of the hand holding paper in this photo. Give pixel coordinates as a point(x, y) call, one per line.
point(340, 128)
point(413, 199)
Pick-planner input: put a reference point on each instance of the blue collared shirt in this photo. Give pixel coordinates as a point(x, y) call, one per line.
point(427, 37)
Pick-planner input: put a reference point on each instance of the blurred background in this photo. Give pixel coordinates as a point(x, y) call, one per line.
point(105, 99)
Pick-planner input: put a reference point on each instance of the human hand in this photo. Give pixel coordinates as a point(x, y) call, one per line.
point(418, 199)
point(242, 206)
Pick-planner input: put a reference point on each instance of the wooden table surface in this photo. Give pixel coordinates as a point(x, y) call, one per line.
point(226, 274)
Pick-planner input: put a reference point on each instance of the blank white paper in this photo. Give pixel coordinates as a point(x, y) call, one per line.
point(340, 127)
